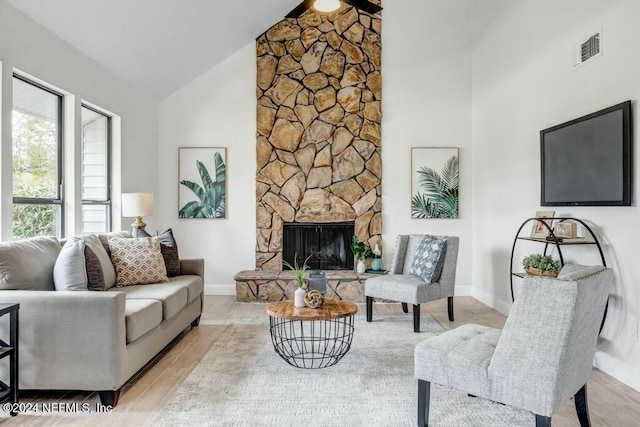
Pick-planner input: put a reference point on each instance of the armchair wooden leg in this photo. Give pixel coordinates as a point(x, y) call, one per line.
point(369, 309)
point(405, 308)
point(542, 421)
point(582, 407)
point(450, 306)
point(416, 318)
point(424, 396)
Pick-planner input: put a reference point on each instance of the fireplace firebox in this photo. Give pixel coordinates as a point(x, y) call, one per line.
point(328, 244)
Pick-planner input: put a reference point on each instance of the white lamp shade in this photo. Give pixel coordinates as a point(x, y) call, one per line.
point(326, 5)
point(137, 204)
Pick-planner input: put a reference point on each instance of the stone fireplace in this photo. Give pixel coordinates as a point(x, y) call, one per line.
point(319, 111)
point(318, 145)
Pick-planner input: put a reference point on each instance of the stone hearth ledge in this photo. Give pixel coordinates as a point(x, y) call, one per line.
point(272, 286)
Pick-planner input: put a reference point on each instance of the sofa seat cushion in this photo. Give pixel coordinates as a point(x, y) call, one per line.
point(173, 297)
point(402, 287)
point(458, 358)
point(141, 316)
point(193, 284)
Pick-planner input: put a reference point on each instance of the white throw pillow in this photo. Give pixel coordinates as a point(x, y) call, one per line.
point(69, 272)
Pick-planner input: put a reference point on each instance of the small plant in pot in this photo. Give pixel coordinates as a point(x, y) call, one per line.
point(362, 251)
point(298, 272)
point(541, 265)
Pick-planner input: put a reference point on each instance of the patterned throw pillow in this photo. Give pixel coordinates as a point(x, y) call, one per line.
point(429, 259)
point(169, 249)
point(137, 261)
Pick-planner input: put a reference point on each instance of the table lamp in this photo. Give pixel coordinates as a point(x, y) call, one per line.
point(137, 205)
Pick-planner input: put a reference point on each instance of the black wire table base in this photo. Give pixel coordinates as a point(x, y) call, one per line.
point(311, 344)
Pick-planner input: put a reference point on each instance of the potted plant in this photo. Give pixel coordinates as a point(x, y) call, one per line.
point(541, 265)
point(298, 271)
point(362, 251)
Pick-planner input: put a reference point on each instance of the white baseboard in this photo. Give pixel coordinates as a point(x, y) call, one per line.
point(464, 291)
point(211, 289)
point(496, 303)
point(618, 369)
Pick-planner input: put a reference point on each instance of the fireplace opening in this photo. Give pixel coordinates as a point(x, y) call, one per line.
point(328, 244)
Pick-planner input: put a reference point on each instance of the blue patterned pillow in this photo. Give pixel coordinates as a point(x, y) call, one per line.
point(429, 259)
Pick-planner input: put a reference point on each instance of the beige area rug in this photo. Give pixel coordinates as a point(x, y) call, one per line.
point(241, 381)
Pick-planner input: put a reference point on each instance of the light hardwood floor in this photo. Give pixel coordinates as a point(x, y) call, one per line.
point(611, 403)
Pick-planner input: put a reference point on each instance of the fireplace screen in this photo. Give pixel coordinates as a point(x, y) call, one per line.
point(329, 245)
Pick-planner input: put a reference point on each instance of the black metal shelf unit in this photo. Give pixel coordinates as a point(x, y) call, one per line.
point(9, 392)
point(554, 240)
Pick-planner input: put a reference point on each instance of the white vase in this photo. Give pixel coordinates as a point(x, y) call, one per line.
point(298, 299)
point(361, 267)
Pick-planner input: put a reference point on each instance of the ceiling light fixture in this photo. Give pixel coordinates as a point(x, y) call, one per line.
point(326, 5)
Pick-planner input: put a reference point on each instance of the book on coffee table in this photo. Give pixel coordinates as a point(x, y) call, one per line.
point(370, 271)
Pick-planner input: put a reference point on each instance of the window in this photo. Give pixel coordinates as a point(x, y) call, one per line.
point(37, 156)
point(96, 200)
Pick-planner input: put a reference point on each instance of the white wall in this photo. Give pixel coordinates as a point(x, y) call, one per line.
point(426, 71)
point(427, 102)
point(28, 47)
point(523, 82)
point(218, 109)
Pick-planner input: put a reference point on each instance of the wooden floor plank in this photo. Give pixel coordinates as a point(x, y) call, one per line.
point(611, 403)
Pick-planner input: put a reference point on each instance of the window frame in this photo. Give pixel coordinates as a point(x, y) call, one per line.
point(108, 201)
point(59, 201)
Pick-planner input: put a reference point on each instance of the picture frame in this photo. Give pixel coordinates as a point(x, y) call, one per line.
point(435, 182)
point(202, 182)
point(565, 230)
point(539, 231)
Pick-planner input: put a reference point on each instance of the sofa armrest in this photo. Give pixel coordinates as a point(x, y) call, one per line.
point(192, 266)
point(70, 340)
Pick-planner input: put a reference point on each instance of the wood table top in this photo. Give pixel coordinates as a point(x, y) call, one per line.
point(331, 309)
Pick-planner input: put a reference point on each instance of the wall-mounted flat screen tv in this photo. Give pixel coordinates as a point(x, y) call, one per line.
point(588, 161)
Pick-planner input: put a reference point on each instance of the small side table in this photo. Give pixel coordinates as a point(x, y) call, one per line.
point(10, 392)
point(312, 338)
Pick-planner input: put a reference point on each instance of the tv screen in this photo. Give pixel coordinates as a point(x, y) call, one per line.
point(587, 161)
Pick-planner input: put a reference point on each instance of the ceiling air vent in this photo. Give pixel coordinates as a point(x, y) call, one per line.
point(588, 49)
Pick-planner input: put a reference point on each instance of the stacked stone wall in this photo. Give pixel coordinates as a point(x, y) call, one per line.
point(319, 91)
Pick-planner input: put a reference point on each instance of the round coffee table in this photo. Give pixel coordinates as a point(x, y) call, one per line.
point(312, 338)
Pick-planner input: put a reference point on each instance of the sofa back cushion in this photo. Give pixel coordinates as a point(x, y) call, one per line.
point(137, 261)
point(28, 264)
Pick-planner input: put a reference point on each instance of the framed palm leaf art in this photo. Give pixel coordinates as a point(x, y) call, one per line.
point(202, 173)
point(434, 183)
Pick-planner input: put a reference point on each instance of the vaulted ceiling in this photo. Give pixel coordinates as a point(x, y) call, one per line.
point(157, 45)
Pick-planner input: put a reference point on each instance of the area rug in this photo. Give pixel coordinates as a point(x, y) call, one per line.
point(241, 381)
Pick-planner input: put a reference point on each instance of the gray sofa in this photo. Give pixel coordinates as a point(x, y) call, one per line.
point(87, 340)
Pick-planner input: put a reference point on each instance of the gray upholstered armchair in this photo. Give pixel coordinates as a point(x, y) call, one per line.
point(542, 357)
point(399, 285)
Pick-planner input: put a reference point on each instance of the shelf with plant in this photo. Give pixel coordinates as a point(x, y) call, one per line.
point(541, 265)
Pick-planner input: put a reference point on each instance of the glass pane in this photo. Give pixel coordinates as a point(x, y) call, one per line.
point(94, 155)
point(36, 220)
point(35, 141)
point(95, 218)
